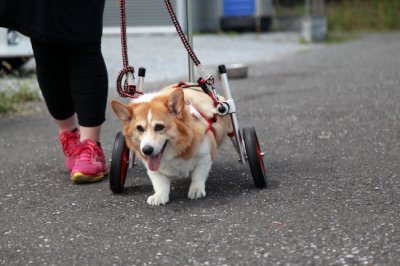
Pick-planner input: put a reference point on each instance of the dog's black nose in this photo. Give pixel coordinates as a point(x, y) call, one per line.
point(147, 150)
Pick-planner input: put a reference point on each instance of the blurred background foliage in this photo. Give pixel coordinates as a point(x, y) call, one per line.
point(362, 15)
point(349, 15)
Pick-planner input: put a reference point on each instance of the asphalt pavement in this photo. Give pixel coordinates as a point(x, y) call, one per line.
point(328, 119)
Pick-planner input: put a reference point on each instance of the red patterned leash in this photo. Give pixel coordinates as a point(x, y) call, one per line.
point(127, 87)
point(208, 78)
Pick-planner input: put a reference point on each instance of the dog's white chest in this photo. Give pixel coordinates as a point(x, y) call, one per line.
point(178, 168)
point(175, 167)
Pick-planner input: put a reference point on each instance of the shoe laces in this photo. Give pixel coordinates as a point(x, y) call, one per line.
point(69, 141)
point(88, 150)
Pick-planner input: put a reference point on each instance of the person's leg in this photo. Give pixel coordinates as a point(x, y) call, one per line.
point(92, 133)
point(89, 88)
point(53, 78)
point(68, 124)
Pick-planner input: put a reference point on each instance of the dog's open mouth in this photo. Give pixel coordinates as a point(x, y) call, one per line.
point(155, 161)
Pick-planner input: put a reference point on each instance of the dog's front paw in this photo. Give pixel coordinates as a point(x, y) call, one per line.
point(196, 192)
point(158, 199)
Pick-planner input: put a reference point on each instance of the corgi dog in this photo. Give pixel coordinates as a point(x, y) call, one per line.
point(176, 133)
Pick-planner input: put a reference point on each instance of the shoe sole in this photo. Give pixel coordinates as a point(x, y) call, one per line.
point(81, 178)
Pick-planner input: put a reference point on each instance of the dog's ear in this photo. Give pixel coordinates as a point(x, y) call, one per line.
point(176, 103)
point(122, 111)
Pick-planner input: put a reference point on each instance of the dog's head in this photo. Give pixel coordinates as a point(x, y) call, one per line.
point(152, 124)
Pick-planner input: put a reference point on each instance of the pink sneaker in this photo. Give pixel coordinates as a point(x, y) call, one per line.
point(90, 164)
point(69, 141)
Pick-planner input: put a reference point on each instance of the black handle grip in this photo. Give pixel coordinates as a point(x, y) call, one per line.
point(222, 69)
point(142, 72)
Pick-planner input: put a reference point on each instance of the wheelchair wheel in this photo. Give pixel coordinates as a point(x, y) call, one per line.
point(254, 157)
point(119, 164)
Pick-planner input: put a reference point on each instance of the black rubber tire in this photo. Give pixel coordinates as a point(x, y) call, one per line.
point(254, 157)
point(119, 164)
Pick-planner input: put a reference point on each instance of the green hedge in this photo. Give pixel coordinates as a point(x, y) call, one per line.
point(16, 93)
point(363, 15)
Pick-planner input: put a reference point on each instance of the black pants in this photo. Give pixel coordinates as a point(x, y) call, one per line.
point(73, 79)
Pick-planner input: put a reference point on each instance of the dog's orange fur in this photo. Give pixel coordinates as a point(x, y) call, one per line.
point(184, 130)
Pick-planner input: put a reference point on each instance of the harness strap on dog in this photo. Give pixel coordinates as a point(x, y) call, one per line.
point(198, 114)
point(210, 122)
point(201, 84)
point(210, 92)
point(185, 85)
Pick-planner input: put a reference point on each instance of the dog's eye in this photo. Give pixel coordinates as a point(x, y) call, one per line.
point(159, 127)
point(140, 128)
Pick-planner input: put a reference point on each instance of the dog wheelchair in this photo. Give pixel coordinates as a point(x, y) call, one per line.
point(244, 140)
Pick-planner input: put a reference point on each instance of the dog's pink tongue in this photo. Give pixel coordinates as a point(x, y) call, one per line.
point(154, 162)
